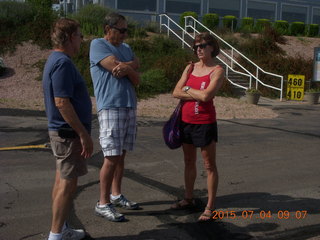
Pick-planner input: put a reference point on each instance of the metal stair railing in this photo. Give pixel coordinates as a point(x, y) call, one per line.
point(167, 22)
point(168, 26)
point(192, 24)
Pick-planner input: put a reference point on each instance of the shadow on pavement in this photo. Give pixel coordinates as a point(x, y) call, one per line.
point(220, 229)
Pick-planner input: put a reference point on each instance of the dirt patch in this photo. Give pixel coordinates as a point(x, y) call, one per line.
point(20, 89)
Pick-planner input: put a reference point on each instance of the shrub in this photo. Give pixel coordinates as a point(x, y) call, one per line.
point(312, 30)
point(42, 21)
point(153, 82)
point(135, 30)
point(297, 28)
point(173, 65)
point(229, 22)
point(24, 21)
point(166, 54)
point(282, 26)
point(91, 19)
point(182, 19)
point(162, 53)
point(266, 44)
point(261, 24)
point(210, 20)
point(247, 24)
point(152, 27)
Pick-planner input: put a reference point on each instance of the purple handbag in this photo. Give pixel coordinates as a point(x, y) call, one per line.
point(171, 129)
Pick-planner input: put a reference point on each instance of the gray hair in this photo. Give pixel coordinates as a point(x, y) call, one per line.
point(112, 19)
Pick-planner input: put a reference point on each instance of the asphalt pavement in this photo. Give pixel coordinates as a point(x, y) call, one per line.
point(269, 186)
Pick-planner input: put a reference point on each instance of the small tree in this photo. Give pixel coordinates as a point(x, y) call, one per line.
point(184, 14)
point(247, 24)
point(261, 24)
point(281, 26)
point(210, 20)
point(297, 28)
point(313, 30)
point(91, 18)
point(229, 22)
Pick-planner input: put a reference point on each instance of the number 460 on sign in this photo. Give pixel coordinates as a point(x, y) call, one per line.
point(295, 87)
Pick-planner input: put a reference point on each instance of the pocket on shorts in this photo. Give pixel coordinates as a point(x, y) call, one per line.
point(109, 139)
point(60, 146)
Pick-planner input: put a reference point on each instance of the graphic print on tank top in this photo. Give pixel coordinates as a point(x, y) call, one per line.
point(196, 105)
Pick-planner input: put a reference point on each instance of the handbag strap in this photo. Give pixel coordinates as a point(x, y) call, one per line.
point(190, 69)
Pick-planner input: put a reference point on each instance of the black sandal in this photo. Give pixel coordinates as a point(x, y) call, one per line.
point(190, 203)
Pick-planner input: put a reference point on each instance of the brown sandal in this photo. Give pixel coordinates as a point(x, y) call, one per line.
point(208, 216)
point(186, 203)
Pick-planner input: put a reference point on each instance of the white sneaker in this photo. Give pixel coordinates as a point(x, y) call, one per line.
point(124, 203)
point(109, 213)
point(73, 234)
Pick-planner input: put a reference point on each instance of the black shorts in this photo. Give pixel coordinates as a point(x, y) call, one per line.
point(199, 135)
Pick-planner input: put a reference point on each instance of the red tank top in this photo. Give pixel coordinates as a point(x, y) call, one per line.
point(196, 112)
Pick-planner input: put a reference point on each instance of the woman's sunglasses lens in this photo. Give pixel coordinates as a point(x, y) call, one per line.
point(201, 46)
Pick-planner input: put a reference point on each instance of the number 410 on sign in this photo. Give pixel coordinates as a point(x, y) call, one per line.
point(295, 87)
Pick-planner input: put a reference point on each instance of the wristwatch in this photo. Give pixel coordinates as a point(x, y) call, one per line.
point(186, 88)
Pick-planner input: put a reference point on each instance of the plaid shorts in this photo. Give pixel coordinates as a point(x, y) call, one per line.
point(118, 130)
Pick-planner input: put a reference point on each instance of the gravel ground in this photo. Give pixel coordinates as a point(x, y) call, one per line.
point(20, 89)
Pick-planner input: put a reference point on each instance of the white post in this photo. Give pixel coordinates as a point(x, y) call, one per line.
point(232, 59)
point(281, 91)
point(257, 77)
point(194, 28)
point(182, 39)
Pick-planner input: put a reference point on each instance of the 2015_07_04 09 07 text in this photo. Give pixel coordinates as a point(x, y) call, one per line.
point(250, 214)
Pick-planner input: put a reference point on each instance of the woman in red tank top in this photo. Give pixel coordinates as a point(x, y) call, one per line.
point(199, 127)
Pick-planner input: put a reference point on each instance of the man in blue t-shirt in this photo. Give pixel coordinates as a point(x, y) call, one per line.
point(68, 108)
point(114, 74)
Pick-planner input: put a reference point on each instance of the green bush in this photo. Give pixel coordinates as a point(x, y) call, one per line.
point(261, 24)
point(210, 20)
point(247, 24)
point(167, 54)
point(182, 19)
point(20, 22)
point(229, 22)
point(281, 26)
point(153, 82)
point(91, 19)
point(152, 27)
point(313, 30)
point(135, 29)
point(297, 28)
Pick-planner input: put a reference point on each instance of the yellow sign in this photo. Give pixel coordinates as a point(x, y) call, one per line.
point(295, 87)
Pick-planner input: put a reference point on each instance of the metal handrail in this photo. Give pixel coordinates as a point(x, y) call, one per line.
point(167, 26)
point(256, 77)
point(169, 20)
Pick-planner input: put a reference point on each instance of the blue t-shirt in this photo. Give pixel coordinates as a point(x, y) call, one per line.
point(111, 92)
point(62, 79)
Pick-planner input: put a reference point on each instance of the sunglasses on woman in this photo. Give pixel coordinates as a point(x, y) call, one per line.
point(201, 46)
